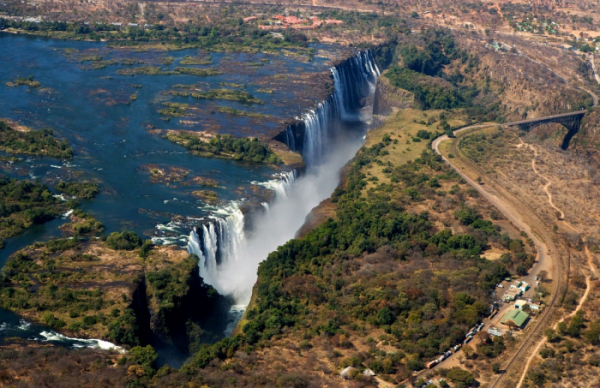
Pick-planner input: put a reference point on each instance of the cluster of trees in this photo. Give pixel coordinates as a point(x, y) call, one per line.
point(85, 190)
point(425, 72)
point(33, 142)
point(244, 149)
point(83, 224)
point(230, 34)
point(51, 269)
point(23, 204)
point(52, 295)
point(430, 92)
point(123, 241)
point(566, 350)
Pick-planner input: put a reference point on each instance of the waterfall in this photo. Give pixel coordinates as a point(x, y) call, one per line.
point(220, 241)
point(354, 79)
point(281, 185)
point(228, 256)
point(217, 241)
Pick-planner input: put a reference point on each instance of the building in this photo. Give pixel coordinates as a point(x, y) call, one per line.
point(518, 317)
point(512, 294)
point(519, 303)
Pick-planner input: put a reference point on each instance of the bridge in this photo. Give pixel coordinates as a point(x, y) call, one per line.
point(571, 121)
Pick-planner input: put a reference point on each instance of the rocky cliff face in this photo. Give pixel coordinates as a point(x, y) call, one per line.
point(587, 142)
point(524, 86)
point(181, 307)
point(387, 98)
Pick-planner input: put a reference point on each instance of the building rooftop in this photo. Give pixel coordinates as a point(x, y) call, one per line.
point(516, 315)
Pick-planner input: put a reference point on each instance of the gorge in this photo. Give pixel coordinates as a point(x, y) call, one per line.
point(327, 137)
point(229, 237)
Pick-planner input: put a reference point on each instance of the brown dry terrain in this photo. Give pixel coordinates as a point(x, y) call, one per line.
point(559, 188)
point(84, 285)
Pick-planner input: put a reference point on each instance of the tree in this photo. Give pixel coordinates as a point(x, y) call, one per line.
point(496, 368)
point(542, 276)
point(461, 377)
point(385, 316)
point(574, 328)
point(123, 241)
point(484, 337)
point(552, 335)
point(511, 324)
point(537, 377)
point(562, 328)
point(143, 355)
point(468, 351)
point(592, 334)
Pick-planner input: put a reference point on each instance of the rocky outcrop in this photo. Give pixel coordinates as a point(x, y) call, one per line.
point(388, 97)
point(181, 306)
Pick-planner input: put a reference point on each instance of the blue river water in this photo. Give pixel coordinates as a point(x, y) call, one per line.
point(118, 140)
point(113, 137)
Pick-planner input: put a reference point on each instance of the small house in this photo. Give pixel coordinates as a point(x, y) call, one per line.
point(512, 294)
point(520, 303)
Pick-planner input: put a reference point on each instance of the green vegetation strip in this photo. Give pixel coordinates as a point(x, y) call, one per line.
point(218, 94)
point(31, 142)
point(28, 81)
point(85, 190)
point(196, 60)
point(24, 204)
point(155, 70)
point(218, 38)
point(226, 146)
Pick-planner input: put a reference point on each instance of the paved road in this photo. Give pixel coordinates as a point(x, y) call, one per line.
point(517, 216)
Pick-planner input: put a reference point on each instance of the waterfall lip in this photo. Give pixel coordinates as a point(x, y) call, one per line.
point(177, 231)
point(354, 79)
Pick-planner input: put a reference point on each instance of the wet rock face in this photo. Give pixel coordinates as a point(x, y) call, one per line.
point(354, 81)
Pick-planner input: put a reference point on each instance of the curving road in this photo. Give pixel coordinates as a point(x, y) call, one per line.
point(516, 214)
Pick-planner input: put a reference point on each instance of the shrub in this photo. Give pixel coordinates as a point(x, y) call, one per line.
point(461, 377)
point(126, 241)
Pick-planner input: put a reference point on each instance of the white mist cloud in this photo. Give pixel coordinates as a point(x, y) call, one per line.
point(285, 217)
